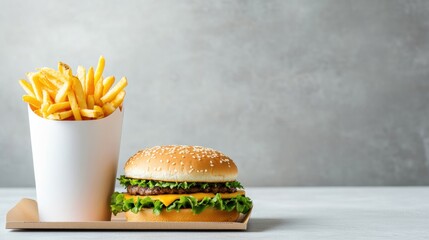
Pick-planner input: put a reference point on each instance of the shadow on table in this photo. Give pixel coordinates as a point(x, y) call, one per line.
point(266, 224)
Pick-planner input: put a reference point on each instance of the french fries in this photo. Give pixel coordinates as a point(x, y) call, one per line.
point(37, 86)
point(57, 107)
point(107, 84)
point(111, 94)
point(60, 95)
point(28, 88)
point(32, 101)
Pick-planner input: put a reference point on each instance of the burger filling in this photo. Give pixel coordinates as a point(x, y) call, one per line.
point(160, 195)
point(152, 187)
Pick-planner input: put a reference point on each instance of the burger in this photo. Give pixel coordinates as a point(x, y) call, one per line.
point(180, 183)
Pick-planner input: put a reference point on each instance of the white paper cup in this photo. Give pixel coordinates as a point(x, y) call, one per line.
point(75, 165)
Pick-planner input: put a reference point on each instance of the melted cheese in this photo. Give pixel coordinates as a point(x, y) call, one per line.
point(168, 199)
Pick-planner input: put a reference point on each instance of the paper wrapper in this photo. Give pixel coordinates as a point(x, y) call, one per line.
point(75, 164)
point(24, 216)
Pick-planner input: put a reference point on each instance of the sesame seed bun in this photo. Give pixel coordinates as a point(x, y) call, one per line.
point(180, 164)
point(184, 215)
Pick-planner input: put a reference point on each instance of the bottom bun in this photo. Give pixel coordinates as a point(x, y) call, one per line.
point(183, 215)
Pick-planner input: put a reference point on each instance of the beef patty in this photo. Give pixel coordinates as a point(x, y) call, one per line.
point(136, 190)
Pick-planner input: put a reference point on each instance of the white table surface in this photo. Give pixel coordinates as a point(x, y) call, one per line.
point(285, 213)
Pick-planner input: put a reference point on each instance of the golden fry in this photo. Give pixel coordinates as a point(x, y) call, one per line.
point(74, 106)
point(27, 87)
point(46, 97)
point(46, 84)
point(90, 82)
point(46, 102)
point(108, 108)
point(61, 115)
point(68, 73)
point(111, 94)
point(53, 117)
point(90, 102)
point(56, 107)
point(64, 69)
point(49, 85)
point(100, 69)
point(55, 77)
point(90, 113)
point(81, 74)
point(62, 92)
point(37, 87)
point(118, 99)
point(107, 84)
point(99, 110)
point(98, 92)
point(80, 95)
point(52, 93)
point(32, 101)
point(44, 109)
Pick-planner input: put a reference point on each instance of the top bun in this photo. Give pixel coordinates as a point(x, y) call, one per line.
point(181, 164)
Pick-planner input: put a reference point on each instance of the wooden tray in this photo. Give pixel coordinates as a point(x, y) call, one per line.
point(25, 216)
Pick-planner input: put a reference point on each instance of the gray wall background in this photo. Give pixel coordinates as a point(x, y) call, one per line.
point(296, 92)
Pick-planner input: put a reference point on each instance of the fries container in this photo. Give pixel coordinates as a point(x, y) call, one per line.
point(75, 165)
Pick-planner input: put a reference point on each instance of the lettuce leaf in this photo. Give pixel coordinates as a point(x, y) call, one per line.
point(125, 181)
point(118, 203)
